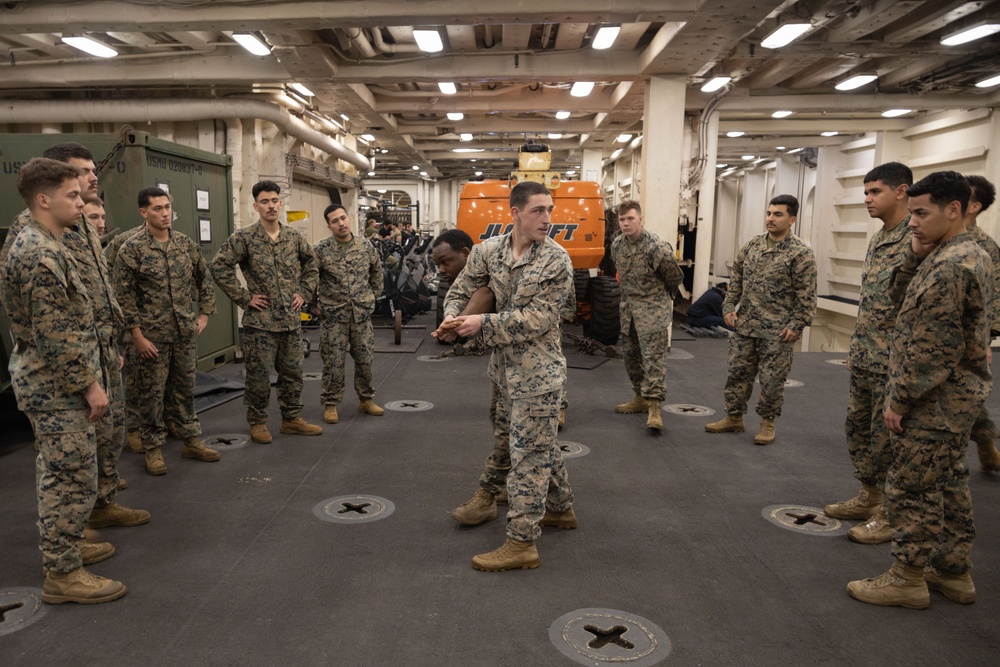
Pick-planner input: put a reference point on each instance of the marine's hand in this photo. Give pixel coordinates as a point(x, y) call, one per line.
point(921, 250)
point(97, 400)
point(259, 302)
point(145, 347)
point(297, 302)
point(470, 325)
point(446, 330)
point(788, 335)
point(202, 323)
point(893, 421)
point(730, 319)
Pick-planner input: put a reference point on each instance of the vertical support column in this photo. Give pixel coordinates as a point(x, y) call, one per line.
point(590, 168)
point(663, 135)
point(706, 209)
point(988, 221)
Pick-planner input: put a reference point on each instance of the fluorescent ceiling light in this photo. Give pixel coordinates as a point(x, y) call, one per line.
point(623, 137)
point(423, 173)
point(856, 81)
point(782, 114)
point(466, 150)
point(555, 135)
point(91, 46)
point(455, 115)
point(785, 35)
point(381, 192)
point(371, 173)
point(344, 116)
point(616, 153)
point(735, 133)
point(830, 133)
point(562, 115)
point(715, 84)
point(570, 173)
point(368, 137)
point(466, 136)
point(252, 44)
point(416, 168)
point(581, 88)
point(302, 89)
point(447, 87)
point(428, 39)
point(721, 165)
point(479, 173)
point(990, 82)
point(892, 113)
point(780, 148)
point(605, 37)
point(385, 150)
point(972, 33)
point(748, 157)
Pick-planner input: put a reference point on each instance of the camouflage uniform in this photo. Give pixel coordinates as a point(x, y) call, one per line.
point(775, 289)
point(164, 288)
point(85, 248)
point(649, 277)
point(350, 277)
point(132, 392)
point(56, 357)
point(984, 423)
point(867, 436)
point(279, 269)
point(527, 366)
point(938, 382)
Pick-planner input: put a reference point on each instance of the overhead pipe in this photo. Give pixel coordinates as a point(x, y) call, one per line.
point(854, 102)
point(382, 47)
point(174, 110)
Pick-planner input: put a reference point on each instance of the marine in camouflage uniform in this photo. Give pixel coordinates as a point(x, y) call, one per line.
point(528, 368)
point(649, 277)
point(283, 272)
point(164, 290)
point(350, 277)
point(774, 285)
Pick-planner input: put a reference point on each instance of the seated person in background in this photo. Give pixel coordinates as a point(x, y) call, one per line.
point(706, 312)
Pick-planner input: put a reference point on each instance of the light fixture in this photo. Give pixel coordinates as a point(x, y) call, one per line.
point(91, 46)
point(479, 173)
point(385, 150)
point(447, 87)
point(570, 173)
point(581, 88)
point(892, 113)
point(298, 87)
point(428, 39)
point(344, 116)
point(423, 173)
point(605, 37)
point(623, 137)
point(829, 133)
point(779, 148)
point(615, 155)
point(856, 81)
point(416, 168)
point(466, 136)
point(455, 115)
point(785, 35)
point(368, 137)
point(467, 150)
point(972, 33)
point(990, 82)
point(562, 115)
point(252, 44)
point(381, 192)
point(715, 84)
point(371, 173)
point(555, 135)
point(747, 157)
point(721, 165)
point(735, 133)
point(782, 114)
point(473, 159)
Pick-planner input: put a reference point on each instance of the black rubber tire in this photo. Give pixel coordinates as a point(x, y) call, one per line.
point(604, 294)
point(397, 326)
point(580, 279)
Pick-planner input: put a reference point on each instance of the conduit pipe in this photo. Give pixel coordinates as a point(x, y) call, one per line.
point(174, 110)
point(857, 102)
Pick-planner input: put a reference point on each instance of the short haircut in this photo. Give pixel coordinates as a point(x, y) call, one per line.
point(944, 187)
point(524, 191)
point(96, 201)
point(384, 233)
point(146, 194)
point(788, 201)
point(455, 238)
point(629, 205)
point(330, 209)
point(892, 174)
point(43, 175)
point(982, 191)
point(63, 152)
point(265, 186)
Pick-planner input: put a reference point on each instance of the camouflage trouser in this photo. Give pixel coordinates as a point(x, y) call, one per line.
point(537, 478)
point(110, 429)
point(132, 397)
point(336, 339)
point(494, 477)
point(66, 480)
point(985, 429)
point(646, 362)
point(867, 436)
point(928, 502)
point(166, 385)
point(282, 351)
point(772, 357)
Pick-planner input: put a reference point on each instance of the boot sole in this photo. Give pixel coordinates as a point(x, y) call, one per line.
point(155, 473)
point(200, 458)
point(724, 430)
point(762, 442)
point(556, 524)
point(99, 559)
point(110, 523)
point(631, 412)
point(958, 597)
point(833, 514)
point(654, 427)
point(906, 604)
point(530, 565)
point(60, 599)
point(262, 442)
point(868, 540)
point(466, 522)
point(288, 431)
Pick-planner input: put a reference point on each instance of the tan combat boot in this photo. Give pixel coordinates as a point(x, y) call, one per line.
point(172, 430)
point(511, 556)
point(729, 424)
point(565, 520)
point(956, 587)
point(122, 484)
point(330, 415)
point(637, 404)
point(299, 426)
point(862, 506)
point(134, 442)
point(874, 531)
point(765, 434)
point(194, 448)
point(95, 552)
point(259, 433)
point(480, 508)
point(989, 457)
point(502, 498)
point(902, 586)
point(114, 514)
point(368, 407)
point(562, 418)
point(655, 419)
point(154, 462)
point(80, 586)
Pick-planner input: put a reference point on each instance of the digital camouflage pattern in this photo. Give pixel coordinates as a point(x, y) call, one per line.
point(649, 277)
point(337, 338)
point(166, 385)
point(111, 251)
point(772, 358)
point(867, 436)
point(775, 288)
point(282, 351)
point(20, 222)
point(278, 269)
point(987, 243)
point(132, 396)
point(494, 477)
point(646, 362)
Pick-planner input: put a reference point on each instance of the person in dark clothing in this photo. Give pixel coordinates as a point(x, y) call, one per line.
point(706, 312)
